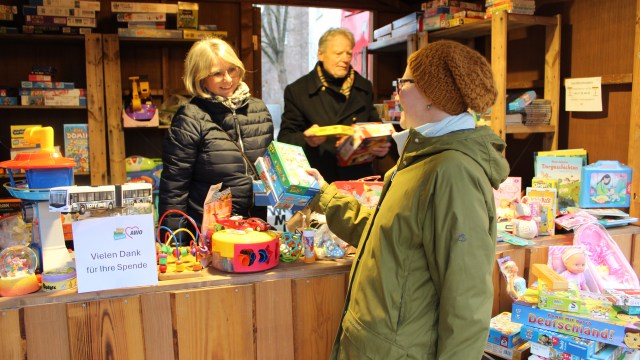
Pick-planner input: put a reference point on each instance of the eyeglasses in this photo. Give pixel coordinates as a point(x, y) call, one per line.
point(220, 74)
point(401, 82)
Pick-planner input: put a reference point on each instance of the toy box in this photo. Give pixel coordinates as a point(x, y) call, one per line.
point(625, 297)
point(614, 332)
point(354, 149)
point(76, 145)
point(568, 344)
point(605, 184)
point(144, 170)
point(284, 165)
point(366, 190)
point(578, 302)
point(504, 332)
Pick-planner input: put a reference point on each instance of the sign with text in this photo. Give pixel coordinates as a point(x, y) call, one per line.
point(583, 94)
point(115, 252)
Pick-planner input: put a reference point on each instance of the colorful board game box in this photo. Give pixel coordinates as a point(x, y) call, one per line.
point(573, 345)
point(605, 184)
point(504, 332)
point(76, 145)
point(354, 149)
point(284, 169)
point(614, 332)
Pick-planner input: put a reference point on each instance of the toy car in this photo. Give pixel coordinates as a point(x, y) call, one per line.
point(257, 224)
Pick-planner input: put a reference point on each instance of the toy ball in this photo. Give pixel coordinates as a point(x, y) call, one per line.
point(290, 247)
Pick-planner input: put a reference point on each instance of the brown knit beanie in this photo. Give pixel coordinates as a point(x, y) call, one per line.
point(454, 77)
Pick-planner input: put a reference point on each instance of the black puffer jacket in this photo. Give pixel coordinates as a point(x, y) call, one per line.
point(202, 149)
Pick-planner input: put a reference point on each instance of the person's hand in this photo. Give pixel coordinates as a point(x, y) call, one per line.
point(380, 150)
point(312, 140)
point(316, 174)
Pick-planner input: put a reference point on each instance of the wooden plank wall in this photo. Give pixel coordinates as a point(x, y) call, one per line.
point(279, 319)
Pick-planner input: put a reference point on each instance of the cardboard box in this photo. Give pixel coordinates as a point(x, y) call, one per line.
point(503, 331)
point(187, 15)
point(282, 168)
point(354, 149)
point(572, 345)
point(606, 331)
point(605, 184)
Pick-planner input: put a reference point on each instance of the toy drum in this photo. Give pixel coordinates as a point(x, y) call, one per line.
point(239, 252)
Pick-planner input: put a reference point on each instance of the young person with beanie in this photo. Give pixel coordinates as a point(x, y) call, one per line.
point(421, 284)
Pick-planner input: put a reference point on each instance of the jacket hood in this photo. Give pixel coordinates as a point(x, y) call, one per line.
point(480, 144)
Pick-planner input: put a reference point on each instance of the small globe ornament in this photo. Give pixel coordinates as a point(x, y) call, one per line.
point(17, 271)
point(290, 247)
point(17, 261)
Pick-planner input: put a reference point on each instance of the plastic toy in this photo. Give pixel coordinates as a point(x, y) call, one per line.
point(140, 112)
point(240, 252)
point(180, 259)
point(17, 271)
point(45, 168)
point(290, 247)
point(238, 223)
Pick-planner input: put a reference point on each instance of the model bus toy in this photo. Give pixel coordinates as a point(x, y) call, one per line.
point(79, 199)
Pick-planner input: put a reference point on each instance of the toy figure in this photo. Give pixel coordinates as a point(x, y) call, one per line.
point(516, 285)
point(574, 261)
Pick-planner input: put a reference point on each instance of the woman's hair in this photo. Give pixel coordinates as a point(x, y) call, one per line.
point(330, 34)
point(201, 57)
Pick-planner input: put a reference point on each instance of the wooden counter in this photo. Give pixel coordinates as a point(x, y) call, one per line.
point(290, 312)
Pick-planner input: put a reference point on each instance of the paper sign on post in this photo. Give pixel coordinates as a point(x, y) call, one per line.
point(115, 252)
point(583, 94)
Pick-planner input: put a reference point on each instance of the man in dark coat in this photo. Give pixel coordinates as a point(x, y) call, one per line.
point(333, 93)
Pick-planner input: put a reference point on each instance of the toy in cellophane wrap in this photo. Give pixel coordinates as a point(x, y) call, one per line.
point(328, 245)
point(175, 261)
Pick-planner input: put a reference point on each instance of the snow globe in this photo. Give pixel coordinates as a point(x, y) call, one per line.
point(17, 271)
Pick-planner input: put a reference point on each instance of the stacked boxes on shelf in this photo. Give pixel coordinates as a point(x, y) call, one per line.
point(8, 19)
point(151, 20)
point(40, 89)
point(69, 17)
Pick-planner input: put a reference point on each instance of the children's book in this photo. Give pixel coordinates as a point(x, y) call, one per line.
point(547, 198)
point(567, 171)
point(76, 145)
point(544, 183)
point(354, 149)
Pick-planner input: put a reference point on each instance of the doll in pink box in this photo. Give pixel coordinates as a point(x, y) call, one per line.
point(574, 260)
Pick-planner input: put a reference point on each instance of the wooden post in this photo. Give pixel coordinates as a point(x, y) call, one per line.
point(552, 80)
point(95, 109)
point(634, 122)
point(113, 91)
point(499, 23)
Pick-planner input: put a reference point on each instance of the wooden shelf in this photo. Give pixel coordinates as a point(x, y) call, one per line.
point(39, 38)
point(157, 40)
point(388, 45)
point(529, 129)
point(38, 107)
point(483, 28)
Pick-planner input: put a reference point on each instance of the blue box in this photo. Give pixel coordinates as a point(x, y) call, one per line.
point(504, 332)
point(48, 178)
point(606, 331)
point(605, 184)
point(572, 345)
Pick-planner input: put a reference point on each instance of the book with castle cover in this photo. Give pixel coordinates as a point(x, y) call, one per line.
point(76, 145)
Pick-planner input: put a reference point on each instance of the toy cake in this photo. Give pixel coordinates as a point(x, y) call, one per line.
point(244, 251)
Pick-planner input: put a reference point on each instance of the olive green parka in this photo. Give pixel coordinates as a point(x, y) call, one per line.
point(421, 282)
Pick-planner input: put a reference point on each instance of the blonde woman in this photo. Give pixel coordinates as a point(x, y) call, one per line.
point(216, 137)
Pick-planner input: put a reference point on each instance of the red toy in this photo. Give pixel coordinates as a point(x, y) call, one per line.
point(238, 223)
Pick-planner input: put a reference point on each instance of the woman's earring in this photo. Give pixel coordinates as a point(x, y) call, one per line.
point(429, 107)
